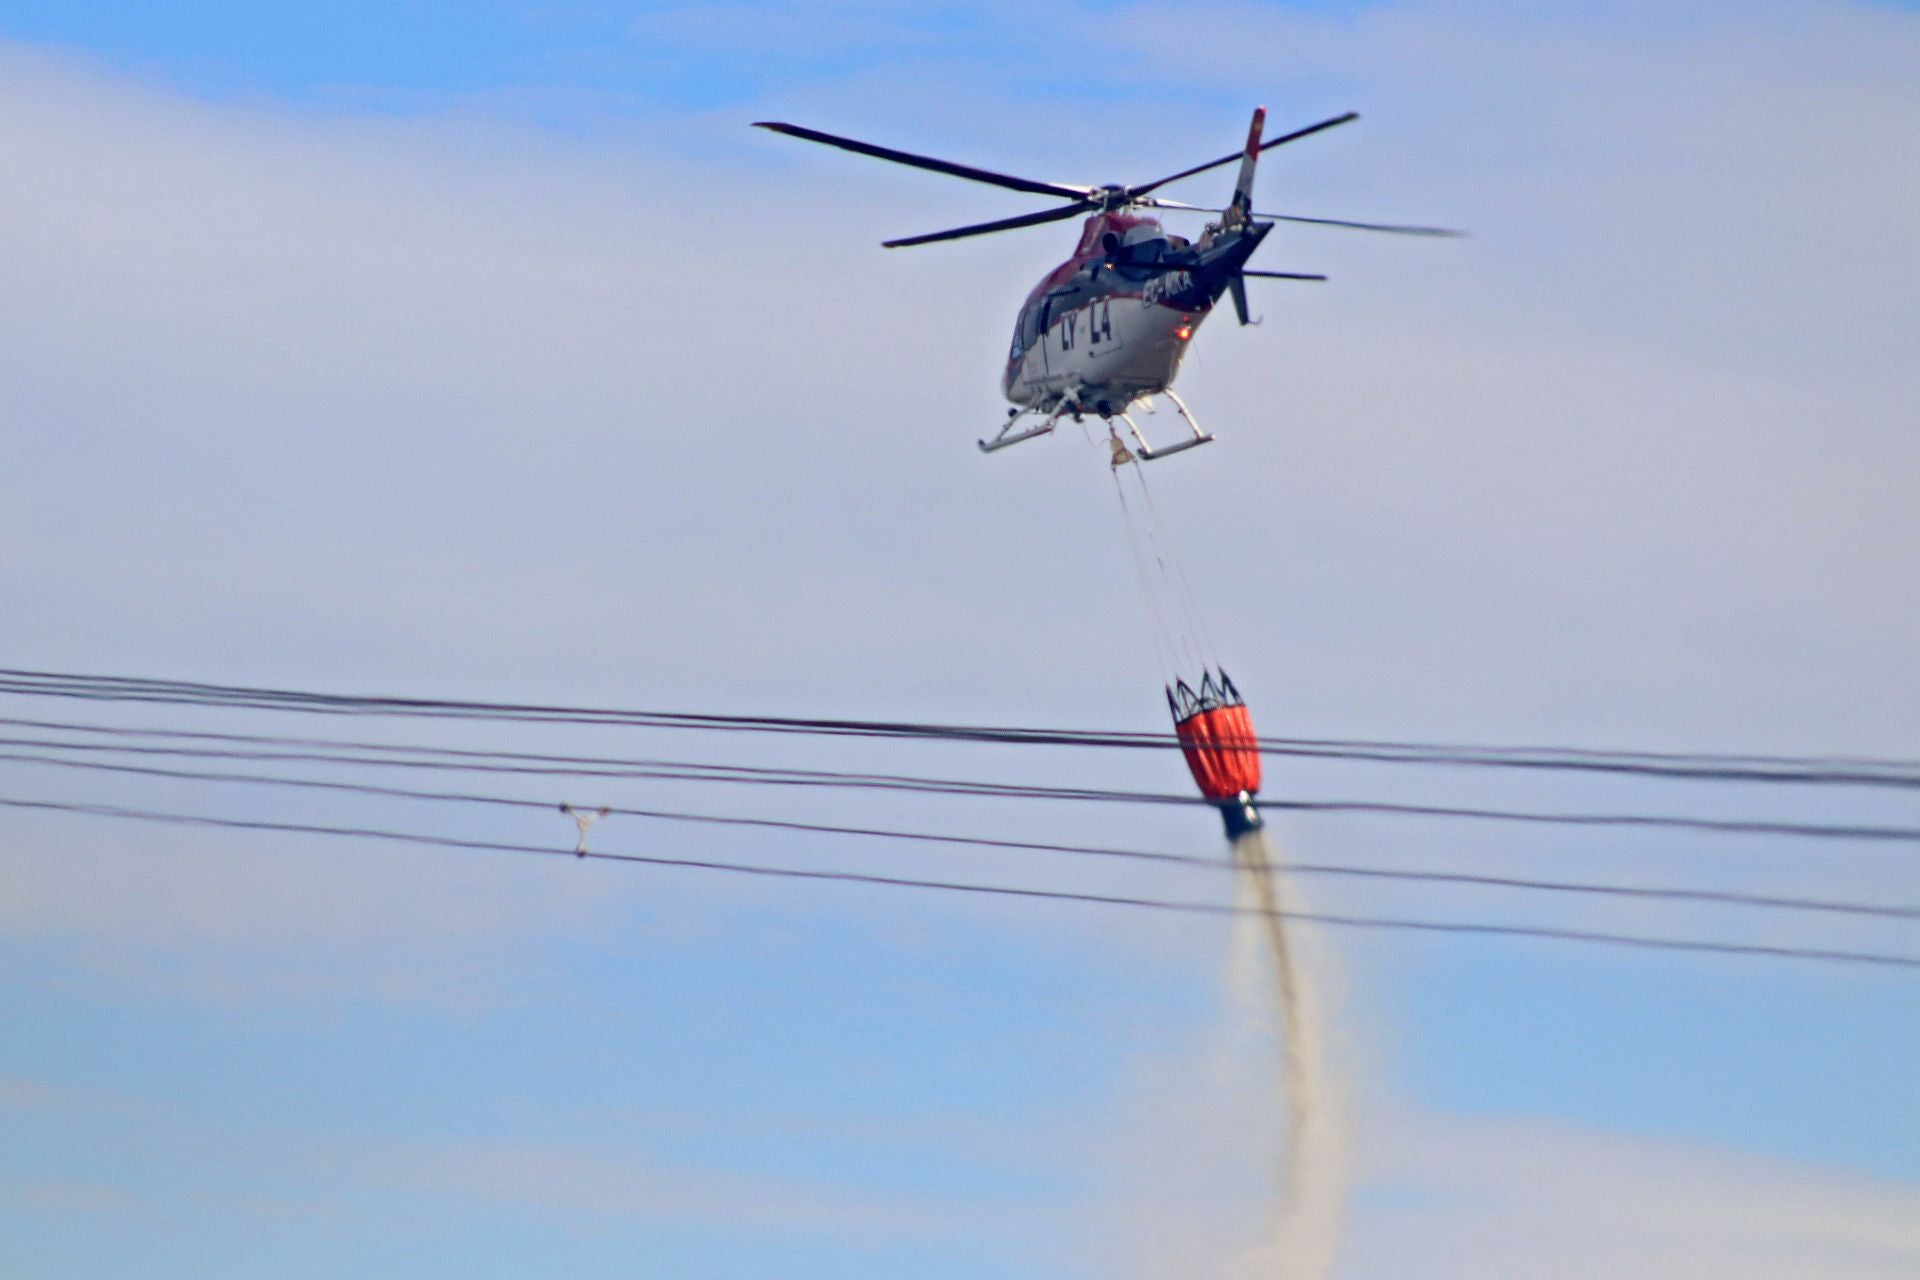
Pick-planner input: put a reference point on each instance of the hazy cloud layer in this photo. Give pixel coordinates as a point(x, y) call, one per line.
point(1511, 1197)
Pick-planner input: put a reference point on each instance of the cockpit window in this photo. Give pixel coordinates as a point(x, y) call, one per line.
point(1026, 331)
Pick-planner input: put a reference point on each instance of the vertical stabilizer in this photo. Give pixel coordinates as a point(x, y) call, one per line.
point(1238, 287)
point(1240, 209)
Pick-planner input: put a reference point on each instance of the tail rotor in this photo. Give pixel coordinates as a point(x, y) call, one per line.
point(1240, 208)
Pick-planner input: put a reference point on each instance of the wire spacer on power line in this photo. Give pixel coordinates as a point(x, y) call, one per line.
point(583, 818)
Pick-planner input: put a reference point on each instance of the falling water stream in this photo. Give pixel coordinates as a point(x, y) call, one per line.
point(1313, 1170)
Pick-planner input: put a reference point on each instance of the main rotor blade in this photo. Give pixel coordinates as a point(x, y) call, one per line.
point(1398, 229)
point(1268, 145)
point(1003, 224)
point(1283, 275)
point(1160, 202)
point(1360, 226)
point(1064, 190)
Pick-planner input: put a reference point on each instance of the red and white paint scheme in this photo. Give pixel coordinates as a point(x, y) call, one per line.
point(1107, 328)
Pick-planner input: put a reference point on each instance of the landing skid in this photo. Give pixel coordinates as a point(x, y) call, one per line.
point(1070, 405)
point(1148, 453)
point(1067, 404)
point(1009, 436)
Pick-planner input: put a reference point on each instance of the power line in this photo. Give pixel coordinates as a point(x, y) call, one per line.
point(1725, 826)
point(1851, 771)
point(1474, 879)
point(652, 771)
point(450, 759)
point(1057, 895)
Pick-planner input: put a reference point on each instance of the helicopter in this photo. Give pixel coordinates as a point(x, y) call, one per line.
point(1107, 328)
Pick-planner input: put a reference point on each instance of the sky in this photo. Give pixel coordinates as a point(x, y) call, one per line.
point(483, 351)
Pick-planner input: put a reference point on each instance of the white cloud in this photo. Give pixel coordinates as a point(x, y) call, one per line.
point(262, 920)
point(20, 1093)
point(1176, 1177)
point(1492, 1197)
point(1195, 1144)
point(592, 1189)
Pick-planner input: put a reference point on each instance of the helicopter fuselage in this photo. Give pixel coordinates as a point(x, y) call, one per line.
point(1109, 326)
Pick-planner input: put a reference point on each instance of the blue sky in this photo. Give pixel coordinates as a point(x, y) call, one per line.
point(605, 68)
point(638, 58)
point(482, 350)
